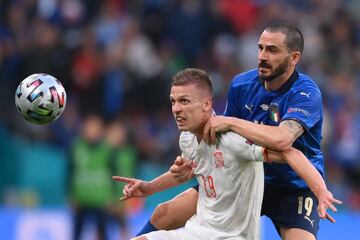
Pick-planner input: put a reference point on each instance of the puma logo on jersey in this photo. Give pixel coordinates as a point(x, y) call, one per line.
point(305, 94)
point(249, 108)
point(311, 221)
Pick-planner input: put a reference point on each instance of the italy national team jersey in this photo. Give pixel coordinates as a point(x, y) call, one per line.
point(298, 99)
point(231, 182)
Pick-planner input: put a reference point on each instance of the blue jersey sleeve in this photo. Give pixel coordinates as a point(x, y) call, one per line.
point(305, 107)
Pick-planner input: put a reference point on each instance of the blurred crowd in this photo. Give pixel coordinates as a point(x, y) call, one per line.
point(116, 59)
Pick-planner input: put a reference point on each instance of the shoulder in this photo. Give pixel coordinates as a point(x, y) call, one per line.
point(232, 140)
point(306, 83)
point(305, 90)
point(245, 78)
point(186, 141)
point(239, 148)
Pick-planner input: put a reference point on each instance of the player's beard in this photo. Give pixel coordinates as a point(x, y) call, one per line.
point(281, 69)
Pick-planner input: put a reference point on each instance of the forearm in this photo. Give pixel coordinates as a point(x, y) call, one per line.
point(270, 137)
point(302, 166)
point(163, 182)
point(274, 157)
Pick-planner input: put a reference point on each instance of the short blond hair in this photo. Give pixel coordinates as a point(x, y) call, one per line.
point(193, 76)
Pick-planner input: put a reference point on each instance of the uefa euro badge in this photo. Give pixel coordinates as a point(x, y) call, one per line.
point(219, 160)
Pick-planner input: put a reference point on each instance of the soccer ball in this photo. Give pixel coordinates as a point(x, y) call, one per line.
point(40, 98)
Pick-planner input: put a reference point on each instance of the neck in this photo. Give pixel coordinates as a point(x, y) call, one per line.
point(276, 83)
point(200, 130)
point(198, 136)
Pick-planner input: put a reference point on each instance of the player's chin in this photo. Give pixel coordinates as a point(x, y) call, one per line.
point(181, 127)
point(265, 75)
point(184, 128)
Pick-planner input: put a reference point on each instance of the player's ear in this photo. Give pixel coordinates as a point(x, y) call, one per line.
point(295, 58)
point(207, 105)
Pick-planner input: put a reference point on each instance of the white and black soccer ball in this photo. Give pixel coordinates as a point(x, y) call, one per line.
point(40, 98)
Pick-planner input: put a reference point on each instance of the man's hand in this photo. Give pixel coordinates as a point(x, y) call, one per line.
point(214, 125)
point(182, 169)
point(326, 200)
point(134, 188)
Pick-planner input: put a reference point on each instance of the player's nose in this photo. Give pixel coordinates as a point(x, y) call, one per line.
point(176, 107)
point(262, 56)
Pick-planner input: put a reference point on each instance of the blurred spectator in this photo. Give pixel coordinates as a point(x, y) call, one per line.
point(91, 187)
point(242, 14)
point(190, 18)
point(66, 129)
point(86, 73)
point(124, 160)
point(45, 52)
point(140, 57)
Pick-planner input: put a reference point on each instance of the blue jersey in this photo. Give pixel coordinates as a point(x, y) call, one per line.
point(298, 99)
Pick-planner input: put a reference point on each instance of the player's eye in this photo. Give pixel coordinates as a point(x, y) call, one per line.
point(272, 50)
point(184, 101)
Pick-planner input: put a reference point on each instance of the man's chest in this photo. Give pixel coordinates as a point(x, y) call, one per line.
point(264, 108)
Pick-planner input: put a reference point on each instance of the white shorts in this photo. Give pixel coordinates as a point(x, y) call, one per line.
point(193, 231)
point(166, 235)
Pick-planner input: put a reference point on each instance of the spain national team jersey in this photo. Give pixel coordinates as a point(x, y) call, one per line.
point(298, 99)
point(231, 182)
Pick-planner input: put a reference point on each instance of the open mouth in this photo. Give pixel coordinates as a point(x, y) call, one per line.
point(180, 120)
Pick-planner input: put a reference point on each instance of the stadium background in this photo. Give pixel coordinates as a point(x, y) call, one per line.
point(115, 59)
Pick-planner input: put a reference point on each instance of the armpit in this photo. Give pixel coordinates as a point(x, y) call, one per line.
point(296, 129)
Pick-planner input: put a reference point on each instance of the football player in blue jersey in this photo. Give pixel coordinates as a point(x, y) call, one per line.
point(274, 106)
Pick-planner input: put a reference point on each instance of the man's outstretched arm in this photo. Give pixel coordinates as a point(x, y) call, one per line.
point(303, 167)
point(136, 188)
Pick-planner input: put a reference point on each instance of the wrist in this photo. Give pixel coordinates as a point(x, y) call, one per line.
point(231, 123)
point(150, 186)
point(318, 190)
point(265, 155)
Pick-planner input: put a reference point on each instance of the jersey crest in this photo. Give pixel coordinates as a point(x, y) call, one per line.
point(274, 112)
point(219, 159)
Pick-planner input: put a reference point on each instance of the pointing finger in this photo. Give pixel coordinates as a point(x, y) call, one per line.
point(122, 179)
